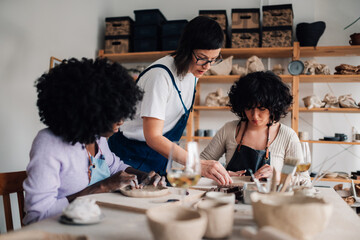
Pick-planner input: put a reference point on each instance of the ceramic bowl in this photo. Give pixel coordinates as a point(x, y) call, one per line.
point(176, 222)
point(299, 216)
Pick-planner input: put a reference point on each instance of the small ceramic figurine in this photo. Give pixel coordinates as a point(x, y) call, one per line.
point(312, 68)
point(238, 70)
point(346, 101)
point(313, 102)
point(331, 101)
point(223, 68)
point(278, 69)
point(254, 64)
point(216, 99)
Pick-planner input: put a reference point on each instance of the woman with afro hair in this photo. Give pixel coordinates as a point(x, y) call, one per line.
point(257, 141)
point(82, 103)
point(169, 90)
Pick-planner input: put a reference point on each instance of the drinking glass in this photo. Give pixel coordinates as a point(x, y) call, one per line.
point(187, 175)
point(305, 161)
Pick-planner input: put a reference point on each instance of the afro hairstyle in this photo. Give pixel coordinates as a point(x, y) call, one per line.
point(81, 99)
point(263, 90)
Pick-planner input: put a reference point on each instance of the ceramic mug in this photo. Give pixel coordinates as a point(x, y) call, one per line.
point(304, 135)
point(220, 218)
point(357, 137)
point(199, 132)
point(221, 197)
point(355, 39)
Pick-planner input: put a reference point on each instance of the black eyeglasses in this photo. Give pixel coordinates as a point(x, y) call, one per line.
point(203, 61)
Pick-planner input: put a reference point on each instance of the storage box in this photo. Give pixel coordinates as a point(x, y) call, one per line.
point(277, 37)
point(149, 16)
point(218, 15)
point(146, 31)
point(277, 15)
point(245, 38)
point(117, 44)
point(118, 26)
point(173, 28)
point(147, 44)
point(169, 42)
point(246, 18)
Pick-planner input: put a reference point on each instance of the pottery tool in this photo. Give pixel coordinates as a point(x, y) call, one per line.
point(286, 183)
point(316, 180)
point(256, 181)
point(288, 169)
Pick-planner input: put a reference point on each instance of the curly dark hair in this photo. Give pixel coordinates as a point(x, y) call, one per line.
point(260, 89)
point(81, 99)
point(200, 33)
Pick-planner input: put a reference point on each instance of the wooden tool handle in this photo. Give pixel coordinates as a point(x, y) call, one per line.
point(286, 183)
point(273, 181)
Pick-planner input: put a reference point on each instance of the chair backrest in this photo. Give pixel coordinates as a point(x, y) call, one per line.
point(11, 182)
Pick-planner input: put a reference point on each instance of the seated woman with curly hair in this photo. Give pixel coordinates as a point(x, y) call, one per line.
point(257, 141)
point(82, 103)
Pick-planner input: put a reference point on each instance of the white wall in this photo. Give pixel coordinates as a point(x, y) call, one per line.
point(32, 31)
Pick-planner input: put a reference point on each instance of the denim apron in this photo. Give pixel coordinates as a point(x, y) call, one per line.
point(98, 168)
point(245, 157)
point(137, 153)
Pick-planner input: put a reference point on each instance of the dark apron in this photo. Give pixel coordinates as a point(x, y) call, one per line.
point(137, 153)
point(245, 158)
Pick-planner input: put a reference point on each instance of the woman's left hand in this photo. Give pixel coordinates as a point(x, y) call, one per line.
point(152, 178)
point(264, 172)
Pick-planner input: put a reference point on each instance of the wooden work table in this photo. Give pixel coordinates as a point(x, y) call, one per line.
point(127, 224)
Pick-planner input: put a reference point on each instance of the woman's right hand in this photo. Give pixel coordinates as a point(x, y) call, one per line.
point(214, 170)
point(237, 173)
point(119, 180)
point(110, 184)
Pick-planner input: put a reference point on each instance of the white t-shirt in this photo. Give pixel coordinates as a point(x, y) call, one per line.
point(161, 100)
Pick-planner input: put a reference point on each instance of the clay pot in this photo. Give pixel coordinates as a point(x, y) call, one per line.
point(176, 223)
point(308, 34)
point(355, 39)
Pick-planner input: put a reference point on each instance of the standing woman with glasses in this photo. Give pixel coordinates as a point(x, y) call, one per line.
point(169, 91)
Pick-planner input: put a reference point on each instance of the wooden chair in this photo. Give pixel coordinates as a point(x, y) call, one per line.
point(11, 182)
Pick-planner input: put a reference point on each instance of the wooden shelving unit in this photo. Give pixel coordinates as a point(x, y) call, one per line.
point(295, 53)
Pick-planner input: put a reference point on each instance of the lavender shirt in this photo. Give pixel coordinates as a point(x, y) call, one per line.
point(58, 169)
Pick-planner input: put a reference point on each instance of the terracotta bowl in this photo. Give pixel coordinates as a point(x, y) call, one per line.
point(176, 223)
point(299, 216)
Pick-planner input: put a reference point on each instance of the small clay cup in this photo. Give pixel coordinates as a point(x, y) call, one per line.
point(355, 39)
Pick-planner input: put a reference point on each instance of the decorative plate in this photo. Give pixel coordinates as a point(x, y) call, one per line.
point(145, 192)
point(296, 67)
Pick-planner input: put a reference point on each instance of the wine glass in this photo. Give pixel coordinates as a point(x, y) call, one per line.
point(187, 175)
point(305, 162)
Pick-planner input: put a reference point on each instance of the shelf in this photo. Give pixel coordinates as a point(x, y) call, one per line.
point(278, 52)
point(329, 78)
point(233, 78)
point(275, 52)
point(206, 108)
point(337, 180)
point(201, 138)
point(331, 142)
point(331, 110)
point(134, 56)
point(333, 51)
